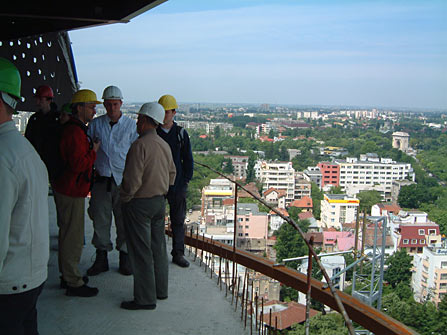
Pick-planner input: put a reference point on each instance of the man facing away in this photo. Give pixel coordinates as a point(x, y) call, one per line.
point(178, 141)
point(43, 127)
point(70, 189)
point(148, 173)
point(24, 233)
point(116, 133)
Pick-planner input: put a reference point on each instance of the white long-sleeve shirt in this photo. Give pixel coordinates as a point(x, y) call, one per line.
point(115, 143)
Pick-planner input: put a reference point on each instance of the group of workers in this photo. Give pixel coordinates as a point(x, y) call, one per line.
point(131, 169)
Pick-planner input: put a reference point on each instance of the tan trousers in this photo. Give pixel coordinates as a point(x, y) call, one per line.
point(70, 213)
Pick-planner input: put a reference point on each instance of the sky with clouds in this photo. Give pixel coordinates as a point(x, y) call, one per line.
point(301, 52)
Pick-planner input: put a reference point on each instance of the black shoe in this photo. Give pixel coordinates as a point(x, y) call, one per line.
point(162, 298)
point(133, 306)
point(65, 285)
point(81, 291)
point(180, 261)
point(124, 268)
point(101, 263)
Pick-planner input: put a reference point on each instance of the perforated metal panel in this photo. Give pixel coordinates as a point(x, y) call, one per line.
point(43, 60)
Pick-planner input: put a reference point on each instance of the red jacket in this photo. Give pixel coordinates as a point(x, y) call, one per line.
point(76, 151)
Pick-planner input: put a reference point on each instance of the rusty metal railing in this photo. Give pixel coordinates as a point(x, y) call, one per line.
point(350, 308)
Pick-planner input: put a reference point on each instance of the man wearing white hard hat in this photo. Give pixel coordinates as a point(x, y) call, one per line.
point(116, 132)
point(148, 173)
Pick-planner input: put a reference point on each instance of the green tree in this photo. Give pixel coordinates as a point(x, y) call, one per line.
point(399, 268)
point(329, 324)
point(368, 199)
point(412, 196)
point(217, 132)
point(317, 196)
point(251, 170)
point(289, 244)
point(336, 190)
point(228, 168)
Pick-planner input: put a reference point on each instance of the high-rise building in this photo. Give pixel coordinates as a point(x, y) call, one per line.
point(370, 170)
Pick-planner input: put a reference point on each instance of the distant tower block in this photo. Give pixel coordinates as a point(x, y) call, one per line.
point(401, 141)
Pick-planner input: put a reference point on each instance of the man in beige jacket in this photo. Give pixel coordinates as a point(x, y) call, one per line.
point(148, 172)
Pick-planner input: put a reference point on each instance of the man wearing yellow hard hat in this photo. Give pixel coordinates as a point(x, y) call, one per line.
point(178, 140)
point(70, 189)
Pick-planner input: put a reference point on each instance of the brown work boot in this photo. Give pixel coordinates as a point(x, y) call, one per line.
point(101, 263)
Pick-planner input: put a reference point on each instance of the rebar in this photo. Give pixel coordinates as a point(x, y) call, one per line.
point(237, 293)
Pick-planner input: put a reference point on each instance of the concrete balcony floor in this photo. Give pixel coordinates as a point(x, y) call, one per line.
point(195, 304)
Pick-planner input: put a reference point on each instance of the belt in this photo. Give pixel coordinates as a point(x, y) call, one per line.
point(108, 180)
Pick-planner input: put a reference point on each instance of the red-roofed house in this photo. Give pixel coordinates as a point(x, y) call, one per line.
point(338, 241)
point(305, 215)
point(318, 238)
point(274, 196)
point(415, 236)
point(305, 203)
point(284, 315)
point(385, 209)
point(250, 187)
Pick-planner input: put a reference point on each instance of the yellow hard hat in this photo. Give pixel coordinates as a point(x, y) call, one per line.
point(168, 102)
point(86, 96)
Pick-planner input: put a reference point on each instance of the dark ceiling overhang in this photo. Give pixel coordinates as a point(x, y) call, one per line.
point(28, 18)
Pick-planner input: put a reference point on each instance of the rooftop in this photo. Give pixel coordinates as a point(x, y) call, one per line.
point(194, 299)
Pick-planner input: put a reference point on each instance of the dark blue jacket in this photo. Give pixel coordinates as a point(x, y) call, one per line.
point(181, 154)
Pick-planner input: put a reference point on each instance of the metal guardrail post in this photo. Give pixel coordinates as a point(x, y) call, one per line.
point(309, 286)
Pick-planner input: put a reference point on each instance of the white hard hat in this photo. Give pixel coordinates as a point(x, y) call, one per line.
point(154, 110)
point(112, 93)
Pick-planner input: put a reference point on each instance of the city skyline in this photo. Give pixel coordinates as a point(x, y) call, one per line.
point(362, 53)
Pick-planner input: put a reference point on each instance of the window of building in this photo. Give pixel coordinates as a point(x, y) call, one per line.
point(443, 276)
point(432, 232)
point(247, 226)
point(421, 232)
point(246, 234)
point(405, 241)
point(414, 241)
point(443, 265)
point(422, 241)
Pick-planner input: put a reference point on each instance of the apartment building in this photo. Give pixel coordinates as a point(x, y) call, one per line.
point(240, 164)
point(370, 170)
point(313, 174)
point(208, 127)
point(338, 209)
point(277, 175)
point(429, 280)
point(303, 187)
point(330, 173)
